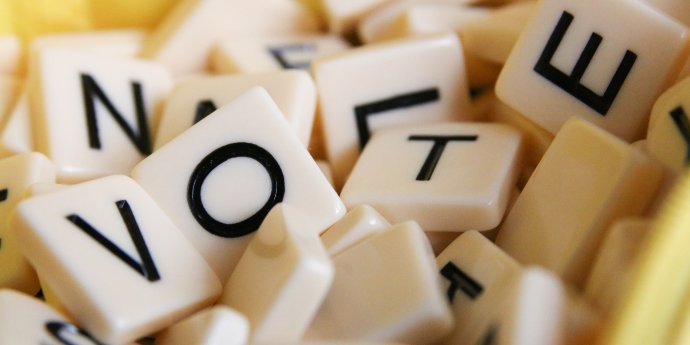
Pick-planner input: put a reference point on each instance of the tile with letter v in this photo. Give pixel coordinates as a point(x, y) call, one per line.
point(603, 61)
point(213, 326)
point(134, 273)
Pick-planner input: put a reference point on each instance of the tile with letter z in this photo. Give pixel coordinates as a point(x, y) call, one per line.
point(213, 326)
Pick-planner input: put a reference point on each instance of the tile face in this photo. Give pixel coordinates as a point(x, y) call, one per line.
point(141, 274)
point(10, 54)
point(357, 225)
point(560, 225)
point(214, 326)
point(191, 100)
point(447, 177)
point(668, 134)
point(230, 169)
point(386, 288)
point(16, 137)
point(116, 43)
point(417, 81)
point(93, 115)
point(342, 16)
point(605, 62)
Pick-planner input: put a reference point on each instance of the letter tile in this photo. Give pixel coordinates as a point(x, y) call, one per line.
point(115, 43)
point(10, 54)
point(214, 326)
point(343, 16)
point(668, 133)
point(219, 179)
point(586, 179)
point(16, 136)
point(133, 274)
point(386, 288)
point(417, 81)
point(605, 62)
point(325, 168)
point(357, 225)
point(447, 177)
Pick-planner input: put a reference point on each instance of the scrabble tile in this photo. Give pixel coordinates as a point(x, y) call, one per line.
point(386, 289)
point(10, 54)
point(284, 274)
point(417, 81)
point(325, 168)
point(191, 100)
point(16, 136)
point(92, 115)
point(357, 225)
point(263, 53)
point(219, 202)
point(576, 58)
point(17, 173)
point(141, 275)
point(116, 43)
point(447, 177)
point(668, 134)
point(213, 326)
point(343, 16)
point(9, 93)
point(678, 9)
point(560, 225)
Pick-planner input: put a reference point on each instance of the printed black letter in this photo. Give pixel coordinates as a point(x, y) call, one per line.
point(3, 197)
point(459, 280)
point(681, 121)
point(279, 53)
point(440, 142)
point(203, 109)
point(58, 329)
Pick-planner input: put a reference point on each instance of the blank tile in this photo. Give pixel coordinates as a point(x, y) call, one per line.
point(668, 134)
point(213, 326)
point(10, 54)
point(360, 223)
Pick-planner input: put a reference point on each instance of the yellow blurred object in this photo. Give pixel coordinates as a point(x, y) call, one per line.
point(5, 17)
point(128, 13)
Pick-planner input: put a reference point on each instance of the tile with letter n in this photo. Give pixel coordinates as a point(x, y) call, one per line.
point(668, 133)
point(446, 176)
point(603, 61)
point(411, 81)
point(133, 274)
point(93, 115)
point(219, 179)
point(213, 326)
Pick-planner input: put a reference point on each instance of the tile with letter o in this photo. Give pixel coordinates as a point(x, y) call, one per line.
point(219, 179)
point(10, 54)
point(446, 176)
point(358, 224)
point(668, 133)
point(134, 272)
point(409, 81)
point(603, 61)
point(213, 326)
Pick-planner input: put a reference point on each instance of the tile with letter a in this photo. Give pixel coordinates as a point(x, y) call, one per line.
point(17, 173)
point(134, 273)
point(91, 115)
point(213, 326)
point(358, 224)
point(410, 81)
point(668, 133)
point(446, 176)
point(386, 288)
point(282, 277)
point(219, 179)
point(10, 54)
point(586, 179)
point(603, 61)
point(192, 100)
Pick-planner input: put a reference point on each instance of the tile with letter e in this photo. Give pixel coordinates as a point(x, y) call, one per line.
point(213, 326)
point(603, 61)
point(386, 288)
point(446, 176)
point(358, 224)
point(93, 116)
point(282, 277)
point(134, 273)
point(193, 99)
point(668, 133)
point(219, 179)
point(409, 81)
point(586, 179)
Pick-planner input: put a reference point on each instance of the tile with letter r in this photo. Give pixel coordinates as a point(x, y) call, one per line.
point(605, 62)
point(92, 115)
point(213, 326)
point(358, 224)
point(411, 81)
point(284, 274)
point(668, 133)
point(586, 179)
point(134, 273)
point(446, 176)
point(219, 179)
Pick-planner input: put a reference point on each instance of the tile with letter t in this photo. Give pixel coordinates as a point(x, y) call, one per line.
point(93, 116)
point(668, 133)
point(358, 224)
point(219, 179)
point(134, 273)
point(586, 179)
point(282, 278)
point(447, 176)
point(213, 326)
point(411, 81)
point(603, 61)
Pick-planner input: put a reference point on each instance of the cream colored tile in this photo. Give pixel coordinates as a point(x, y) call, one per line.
point(668, 134)
point(357, 225)
point(343, 16)
point(10, 54)
point(417, 81)
point(678, 9)
point(439, 240)
point(141, 274)
point(605, 62)
point(447, 177)
point(10, 90)
point(115, 43)
point(214, 326)
point(16, 136)
point(219, 202)
point(325, 168)
point(587, 179)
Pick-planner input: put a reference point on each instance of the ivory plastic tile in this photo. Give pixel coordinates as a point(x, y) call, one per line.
point(325, 168)
point(357, 225)
point(263, 53)
point(410, 81)
point(115, 43)
point(10, 54)
point(343, 16)
point(586, 179)
point(282, 277)
point(191, 100)
point(678, 9)
point(668, 134)
point(386, 288)
point(9, 94)
point(447, 177)
point(141, 274)
point(218, 325)
point(17, 173)
point(605, 62)
point(16, 136)
point(219, 202)
point(92, 115)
